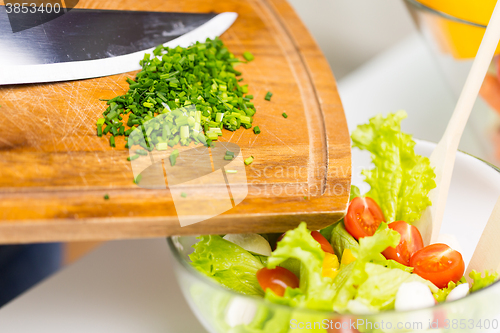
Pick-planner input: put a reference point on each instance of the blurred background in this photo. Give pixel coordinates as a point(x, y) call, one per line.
point(352, 32)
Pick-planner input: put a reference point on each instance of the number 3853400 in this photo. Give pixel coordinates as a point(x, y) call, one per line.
point(24, 8)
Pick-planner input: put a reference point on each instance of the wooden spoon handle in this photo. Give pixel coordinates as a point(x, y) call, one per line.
point(474, 81)
point(443, 157)
point(487, 252)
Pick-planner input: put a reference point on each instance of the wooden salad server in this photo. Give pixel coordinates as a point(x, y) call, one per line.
point(443, 156)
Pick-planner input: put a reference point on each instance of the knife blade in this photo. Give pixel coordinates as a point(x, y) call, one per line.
point(86, 43)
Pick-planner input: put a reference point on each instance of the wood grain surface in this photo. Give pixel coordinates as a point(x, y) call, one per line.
point(55, 171)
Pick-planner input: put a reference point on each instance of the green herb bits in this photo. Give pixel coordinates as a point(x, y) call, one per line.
point(181, 96)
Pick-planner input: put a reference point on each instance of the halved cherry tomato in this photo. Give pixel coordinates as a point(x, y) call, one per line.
point(277, 279)
point(325, 245)
point(439, 264)
point(410, 242)
point(363, 217)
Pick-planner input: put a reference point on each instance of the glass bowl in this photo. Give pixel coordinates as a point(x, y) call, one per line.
point(453, 32)
point(475, 184)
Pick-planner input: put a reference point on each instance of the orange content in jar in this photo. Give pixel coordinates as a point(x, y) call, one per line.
point(461, 40)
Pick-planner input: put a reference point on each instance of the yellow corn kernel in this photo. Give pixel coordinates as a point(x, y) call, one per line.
point(347, 257)
point(330, 265)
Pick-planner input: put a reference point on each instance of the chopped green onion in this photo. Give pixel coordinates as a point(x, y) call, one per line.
point(256, 130)
point(184, 194)
point(184, 132)
point(219, 116)
point(228, 157)
point(230, 153)
point(212, 135)
point(181, 95)
point(112, 141)
point(249, 160)
point(231, 171)
point(284, 115)
point(173, 157)
point(162, 146)
point(268, 96)
point(248, 56)
point(141, 152)
point(133, 157)
point(106, 197)
point(138, 179)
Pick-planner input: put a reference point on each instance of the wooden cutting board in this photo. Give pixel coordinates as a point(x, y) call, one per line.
point(55, 171)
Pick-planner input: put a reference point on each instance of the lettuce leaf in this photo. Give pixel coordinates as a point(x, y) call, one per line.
point(441, 294)
point(380, 288)
point(327, 232)
point(370, 249)
point(316, 291)
point(401, 180)
point(341, 239)
point(479, 282)
point(227, 263)
point(355, 192)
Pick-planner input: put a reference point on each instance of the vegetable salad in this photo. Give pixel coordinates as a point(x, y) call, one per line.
point(370, 261)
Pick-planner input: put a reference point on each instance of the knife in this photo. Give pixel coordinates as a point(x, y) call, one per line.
point(88, 43)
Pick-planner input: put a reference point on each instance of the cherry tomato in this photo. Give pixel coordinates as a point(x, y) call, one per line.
point(410, 242)
point(275, 244)
point(325, 245)
point(277, 279)
point(363, 217)
point(439, 264)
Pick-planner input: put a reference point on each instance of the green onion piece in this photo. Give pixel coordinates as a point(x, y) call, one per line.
point(249, 160)
point(100, 121)
point(106, 197)
point(141, 152)
point(268, 96)
point(246, 120)
point(162, 146)
point(248, 56)
point(256, 130)
point(99, 130)
point(216, 130)
point(138, 179)
point(184, 132)
point(133, 157)
point(230, 153)
point(231, 171)
point(228, 157)
point(219, 116)
point(197, 117)
point(184, 194)
point(212, 135)
point(112, 141)
point(173, 157)
point(284, 115)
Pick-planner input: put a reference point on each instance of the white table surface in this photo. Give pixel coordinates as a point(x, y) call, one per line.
point(129, 286)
